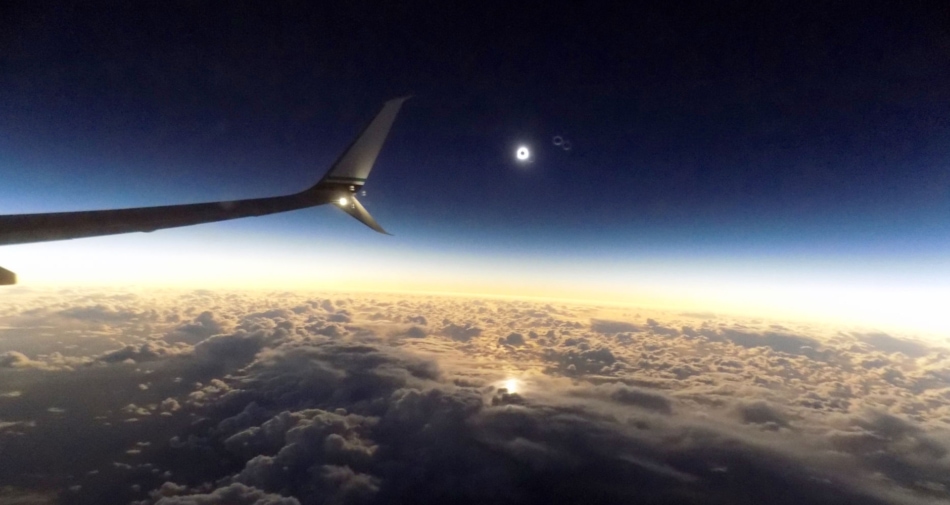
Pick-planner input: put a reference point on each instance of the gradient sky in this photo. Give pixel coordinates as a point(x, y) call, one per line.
point(782, 159)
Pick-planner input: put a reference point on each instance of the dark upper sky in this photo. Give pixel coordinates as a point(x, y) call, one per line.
point(691, 123)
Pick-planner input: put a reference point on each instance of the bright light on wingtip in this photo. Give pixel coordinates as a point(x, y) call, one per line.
point(343, 201)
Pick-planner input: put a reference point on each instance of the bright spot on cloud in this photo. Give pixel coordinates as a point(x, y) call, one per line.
point(512, 385)
point(523, 154)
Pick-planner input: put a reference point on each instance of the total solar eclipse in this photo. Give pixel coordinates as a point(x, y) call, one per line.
point(523, 154)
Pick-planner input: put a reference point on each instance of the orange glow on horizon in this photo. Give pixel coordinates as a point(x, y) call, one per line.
point(125, 262)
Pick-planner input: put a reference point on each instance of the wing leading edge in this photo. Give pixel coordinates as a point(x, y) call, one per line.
point(340, 185)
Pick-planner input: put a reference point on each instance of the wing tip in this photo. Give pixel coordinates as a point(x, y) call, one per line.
point(399, 100)
point(356, 209)
point(7, 278)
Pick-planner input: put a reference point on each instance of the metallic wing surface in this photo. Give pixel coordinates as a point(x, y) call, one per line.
point(339, 186)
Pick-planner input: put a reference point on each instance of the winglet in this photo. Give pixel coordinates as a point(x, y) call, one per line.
point(356, 209)
point(348, 174)
point(353, 166)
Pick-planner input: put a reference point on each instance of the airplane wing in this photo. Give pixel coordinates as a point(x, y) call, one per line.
point(340, 185)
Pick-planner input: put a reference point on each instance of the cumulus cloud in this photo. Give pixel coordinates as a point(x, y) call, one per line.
point(608, 326)
point(52, 361)
point(461, 333)
point(639, 398)
point(348, 486)
point(234, 494)
point(203, 326)
point(889, 344)
point(100, 313)
point(288, 398)
point(353, 424)
point(147, 351)
point(577, 358)
point(415, 332)
point(762, 413)
point(342, 316)
point(515, 339)
point(14, 359)
point(781, 342)
point(170, 405)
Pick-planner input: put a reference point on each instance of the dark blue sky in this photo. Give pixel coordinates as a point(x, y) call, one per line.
point(721, 129)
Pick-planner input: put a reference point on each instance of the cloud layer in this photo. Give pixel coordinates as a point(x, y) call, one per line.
point(290, 398)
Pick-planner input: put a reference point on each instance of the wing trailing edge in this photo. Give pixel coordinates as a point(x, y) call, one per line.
point(339, 186)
